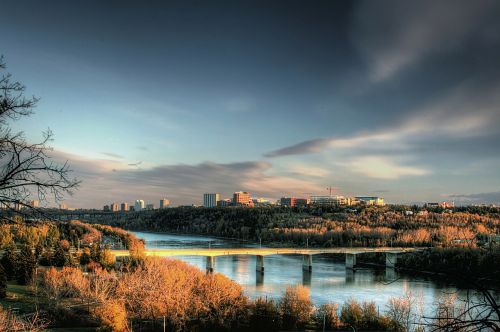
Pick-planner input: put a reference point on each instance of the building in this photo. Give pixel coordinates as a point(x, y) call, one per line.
point(114, 207)
point(447, 205)
point(63, 206)
point(225, 202)
point(164, 203)
point(444, 205)
point(261, 202)
point(293, 201)
point(210, 200)
point(34, 203)
point(327, 200)
point(106, 208)
point(139, 205)
point(371, 200)
point(242, 198)
point(150, 207)
point(124, 207)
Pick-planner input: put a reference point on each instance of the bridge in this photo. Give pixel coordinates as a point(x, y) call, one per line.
point(391, 254)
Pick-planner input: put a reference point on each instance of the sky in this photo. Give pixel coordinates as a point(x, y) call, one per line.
point(173, 99)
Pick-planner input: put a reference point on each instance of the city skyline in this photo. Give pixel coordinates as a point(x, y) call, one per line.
point(276, 98)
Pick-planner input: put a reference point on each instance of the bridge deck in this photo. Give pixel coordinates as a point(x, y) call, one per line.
point(260, 251)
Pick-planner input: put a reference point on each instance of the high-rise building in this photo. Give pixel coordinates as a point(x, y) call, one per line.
point(34, 203)
point(242, 198)
point(210, 200)
point(150, 207)
point(114, 207)
point(124, 206)
point(106, 208)
point(63, 206)
point(139, 205)
point(164, 203)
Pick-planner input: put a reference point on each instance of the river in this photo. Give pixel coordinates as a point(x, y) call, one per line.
point(328, 282)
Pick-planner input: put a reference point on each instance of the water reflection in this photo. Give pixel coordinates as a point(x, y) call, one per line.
point(329, 280)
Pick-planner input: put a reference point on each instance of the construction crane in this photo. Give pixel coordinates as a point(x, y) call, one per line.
point(330, 188)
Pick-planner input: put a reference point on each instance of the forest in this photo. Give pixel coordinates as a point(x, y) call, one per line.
point(326, 226)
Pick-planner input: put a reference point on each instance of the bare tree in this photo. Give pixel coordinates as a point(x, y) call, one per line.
point(26, 169)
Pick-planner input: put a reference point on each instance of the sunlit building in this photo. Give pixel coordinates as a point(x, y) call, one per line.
point(63, 206)
point(114, 207)
point(242, 198)
point(34, 203)
point(261, 202)
point(124, 206)
point(327, 200)
point(139, 205)
point(293, 201)
point(210, 200)
point(164, 203)
point(371, 200)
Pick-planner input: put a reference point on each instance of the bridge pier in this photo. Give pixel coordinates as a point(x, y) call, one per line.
point(210, 264)
point(307, 263)
point(306, 277)
point(350, 261)
point(349, 276)
point(259, 263)
point(259, 279)
point(391, 259)
point(390, 274)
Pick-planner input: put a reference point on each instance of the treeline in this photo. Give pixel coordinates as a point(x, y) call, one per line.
point(170, 292)
point(25, 246)
point(472, 268)
point(325, 227)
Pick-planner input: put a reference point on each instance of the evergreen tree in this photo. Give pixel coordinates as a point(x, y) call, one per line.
point(95, 253)
point(26, 267)
point(9, 261)
point(59, 258)
point(3, 283)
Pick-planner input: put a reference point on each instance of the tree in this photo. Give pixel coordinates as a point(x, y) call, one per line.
point(9, 261)
point(265, 315)
point(327, 316)
point(3, 283)
point(26, 266)
point(26, 169)
point(296, 307)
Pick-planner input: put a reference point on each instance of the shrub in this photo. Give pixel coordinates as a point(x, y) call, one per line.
point(328, 314)
point(112, 316)
point(265, 315)
point(296, 307)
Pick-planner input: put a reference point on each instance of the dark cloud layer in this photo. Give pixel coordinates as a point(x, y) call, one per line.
point(486, 198)
point(403, 96)
point(112, 181)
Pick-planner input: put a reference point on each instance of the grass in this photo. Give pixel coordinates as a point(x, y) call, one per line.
point(20, 297)
point(71, 329)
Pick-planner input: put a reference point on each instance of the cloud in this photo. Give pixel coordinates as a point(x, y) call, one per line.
point(392, 35)
point(383, 168)
point(106, 181)
point(238, 105)
point(314, 145)
point(486, 198)
point(112, 155)
point(467, 111)
point(308, 171)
